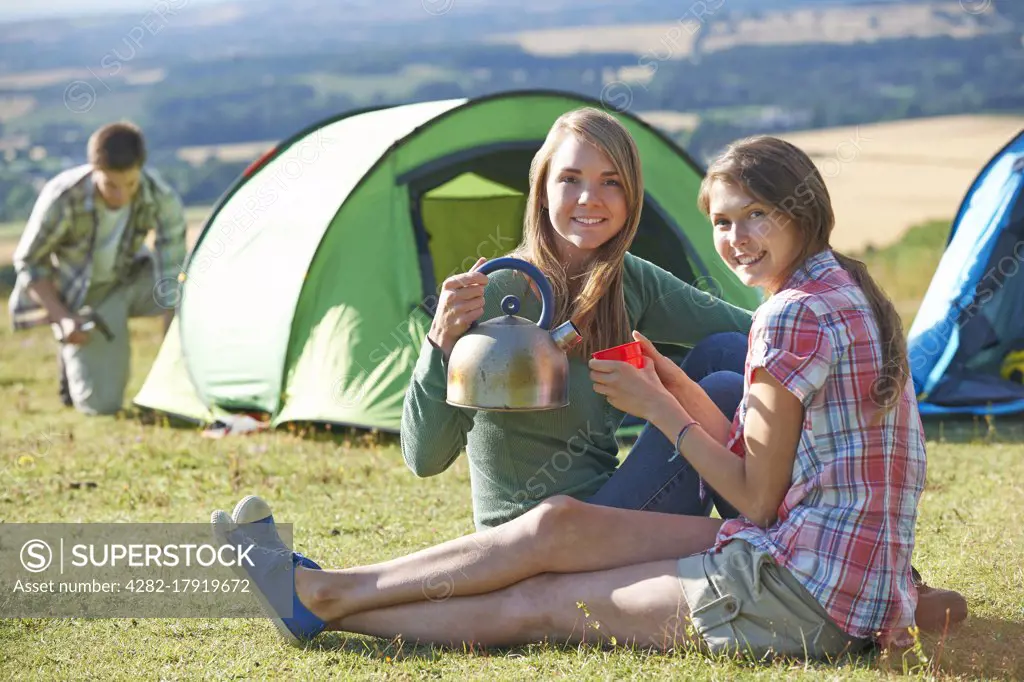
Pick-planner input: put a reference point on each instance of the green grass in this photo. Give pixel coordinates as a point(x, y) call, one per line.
point(351, 501)
point(905, 269)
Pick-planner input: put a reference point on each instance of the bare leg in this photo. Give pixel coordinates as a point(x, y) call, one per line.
point(561, 535)
point(641, 604)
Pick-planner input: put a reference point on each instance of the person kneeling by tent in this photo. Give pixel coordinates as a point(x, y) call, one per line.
point(82, 264)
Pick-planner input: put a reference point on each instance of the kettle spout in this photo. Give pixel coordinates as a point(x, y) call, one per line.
point(566, 336)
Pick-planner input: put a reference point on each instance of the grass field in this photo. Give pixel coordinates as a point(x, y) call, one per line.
point(836, 24)
point(13, 106)
point(905, 267)
point(32, 80)
point(352, 500)
point(99, 105)
point(885, 177)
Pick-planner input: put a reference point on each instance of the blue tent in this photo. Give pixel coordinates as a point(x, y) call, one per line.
point(973, 313)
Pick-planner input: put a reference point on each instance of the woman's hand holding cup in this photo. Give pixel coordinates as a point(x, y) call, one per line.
point(671, 375)
point(460, 305)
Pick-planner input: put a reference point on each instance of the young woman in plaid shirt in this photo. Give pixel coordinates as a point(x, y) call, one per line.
point(824, 459)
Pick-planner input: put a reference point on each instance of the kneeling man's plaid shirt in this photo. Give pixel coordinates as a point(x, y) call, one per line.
point(845, 529)
point(58, 242)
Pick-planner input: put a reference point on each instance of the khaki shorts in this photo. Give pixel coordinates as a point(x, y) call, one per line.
point(742, 602)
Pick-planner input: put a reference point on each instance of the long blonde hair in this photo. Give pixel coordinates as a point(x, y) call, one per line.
point(782, 176)
point(592, 299)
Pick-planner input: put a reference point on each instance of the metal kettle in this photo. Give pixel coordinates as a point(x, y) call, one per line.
point(509, 363)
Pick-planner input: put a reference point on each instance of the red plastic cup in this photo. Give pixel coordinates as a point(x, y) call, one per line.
point(628, 352)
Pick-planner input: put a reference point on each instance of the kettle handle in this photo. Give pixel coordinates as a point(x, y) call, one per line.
point(547, 310)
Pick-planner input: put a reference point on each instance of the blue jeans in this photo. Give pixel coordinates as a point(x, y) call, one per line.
point(647, 480)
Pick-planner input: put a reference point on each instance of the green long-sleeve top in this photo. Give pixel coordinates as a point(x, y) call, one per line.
point(517, 459)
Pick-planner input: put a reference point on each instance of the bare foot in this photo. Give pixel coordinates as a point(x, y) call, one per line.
point(318, 592)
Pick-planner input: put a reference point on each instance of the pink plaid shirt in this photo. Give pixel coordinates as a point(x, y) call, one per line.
point(845, 528)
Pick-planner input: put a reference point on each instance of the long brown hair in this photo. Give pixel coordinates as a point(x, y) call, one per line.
point(782, 176)
point(592, 299)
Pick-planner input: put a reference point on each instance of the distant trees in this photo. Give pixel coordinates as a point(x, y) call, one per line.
point(198, 185)
point(234, 112)
point(204, 184)
point(438, 90)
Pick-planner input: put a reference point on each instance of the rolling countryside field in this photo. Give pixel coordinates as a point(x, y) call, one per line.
point(691, 32)
point(883, 177)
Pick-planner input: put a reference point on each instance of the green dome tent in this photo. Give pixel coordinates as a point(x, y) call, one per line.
point(310, 289)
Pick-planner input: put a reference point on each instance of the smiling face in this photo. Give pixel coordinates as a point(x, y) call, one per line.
point(757, 242)
point(586, 201)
